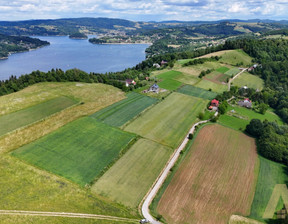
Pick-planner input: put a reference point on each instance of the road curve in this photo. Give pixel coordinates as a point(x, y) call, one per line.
point(155, 188)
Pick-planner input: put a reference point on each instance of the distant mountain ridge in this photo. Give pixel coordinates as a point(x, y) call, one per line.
point(67, 26)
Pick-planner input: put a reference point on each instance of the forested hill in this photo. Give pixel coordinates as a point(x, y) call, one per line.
point(104, 25)
point(12, 44)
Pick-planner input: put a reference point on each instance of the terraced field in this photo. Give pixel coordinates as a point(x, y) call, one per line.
point(197, 92)
point(119, 113)
point(21, 118)
point(130, 178)
point(215, 180)
point(168, 121)
point(78, 151)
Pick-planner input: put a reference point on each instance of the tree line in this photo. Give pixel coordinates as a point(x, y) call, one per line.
point(14, 84)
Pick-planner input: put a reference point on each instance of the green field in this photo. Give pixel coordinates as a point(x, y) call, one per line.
point(130, 178)
point(198, 92)
point(168, 121)
point(215, 87)
point(168, 80)
point(251, 81)
point(235, 57)
point(119, 113)
point(270, 174)
point(21, 118)
point(242, 116)
point(78, 151)
point(169, 84)
point(232, 72)
point(222, 69)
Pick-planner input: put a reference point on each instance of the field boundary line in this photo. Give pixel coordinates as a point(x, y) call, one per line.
point(163, 175)
point(66, 214)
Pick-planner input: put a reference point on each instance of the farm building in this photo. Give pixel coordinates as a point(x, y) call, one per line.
point(245, 103)
point(130, 81)
point(154, 88)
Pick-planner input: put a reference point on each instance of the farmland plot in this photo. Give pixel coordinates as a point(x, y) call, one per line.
point(198, 92)
point(249, 80)
point(130, 178)
point(78, 151)
point(168, 121)
point(215, 180)
point(21, 118)
point(119, 113)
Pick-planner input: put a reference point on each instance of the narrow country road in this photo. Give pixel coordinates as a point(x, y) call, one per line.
point(155, 188)
point(230, 80)
point(67, 215)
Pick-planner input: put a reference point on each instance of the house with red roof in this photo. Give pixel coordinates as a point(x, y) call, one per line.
point(214, 103)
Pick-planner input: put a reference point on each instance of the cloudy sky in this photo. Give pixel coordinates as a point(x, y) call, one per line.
point(145, 10)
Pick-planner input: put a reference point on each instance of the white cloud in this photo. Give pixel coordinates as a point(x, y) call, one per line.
point(145, 9)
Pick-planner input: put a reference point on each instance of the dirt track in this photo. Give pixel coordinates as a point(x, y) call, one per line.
point(68, 215)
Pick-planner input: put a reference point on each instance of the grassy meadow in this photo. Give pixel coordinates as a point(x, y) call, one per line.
point(21, 118)
point(78, 151)
point(37, 190)
point(130, 178)
point(168, 80)
point(197, 92)
point(270, 174)
point(215, 87)
point(242, 116)
point(249, 80)
point(93, 97)
point(168, 121)
point(119, 113)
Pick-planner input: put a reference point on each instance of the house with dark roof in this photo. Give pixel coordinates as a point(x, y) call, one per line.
point(245, 103)
point(154, 88)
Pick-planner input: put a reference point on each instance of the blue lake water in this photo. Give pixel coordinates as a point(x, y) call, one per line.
point(66, 53)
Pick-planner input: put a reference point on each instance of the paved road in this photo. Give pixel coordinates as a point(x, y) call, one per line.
point(66, 214)
point(153, 191)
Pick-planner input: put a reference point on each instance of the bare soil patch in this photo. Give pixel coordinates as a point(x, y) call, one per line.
point(215, 180)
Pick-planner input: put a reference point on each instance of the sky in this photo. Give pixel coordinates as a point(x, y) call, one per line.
point(145, 10)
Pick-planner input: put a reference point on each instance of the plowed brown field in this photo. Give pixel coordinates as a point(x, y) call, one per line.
point(215, 180)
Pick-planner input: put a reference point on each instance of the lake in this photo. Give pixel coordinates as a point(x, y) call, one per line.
point(66, 53)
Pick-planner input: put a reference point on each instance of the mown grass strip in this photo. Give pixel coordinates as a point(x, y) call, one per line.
point(124, 110)
point(21, 118)
point(270, 174)
point(142, 163)
point(169, 120)
point(198, 92)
